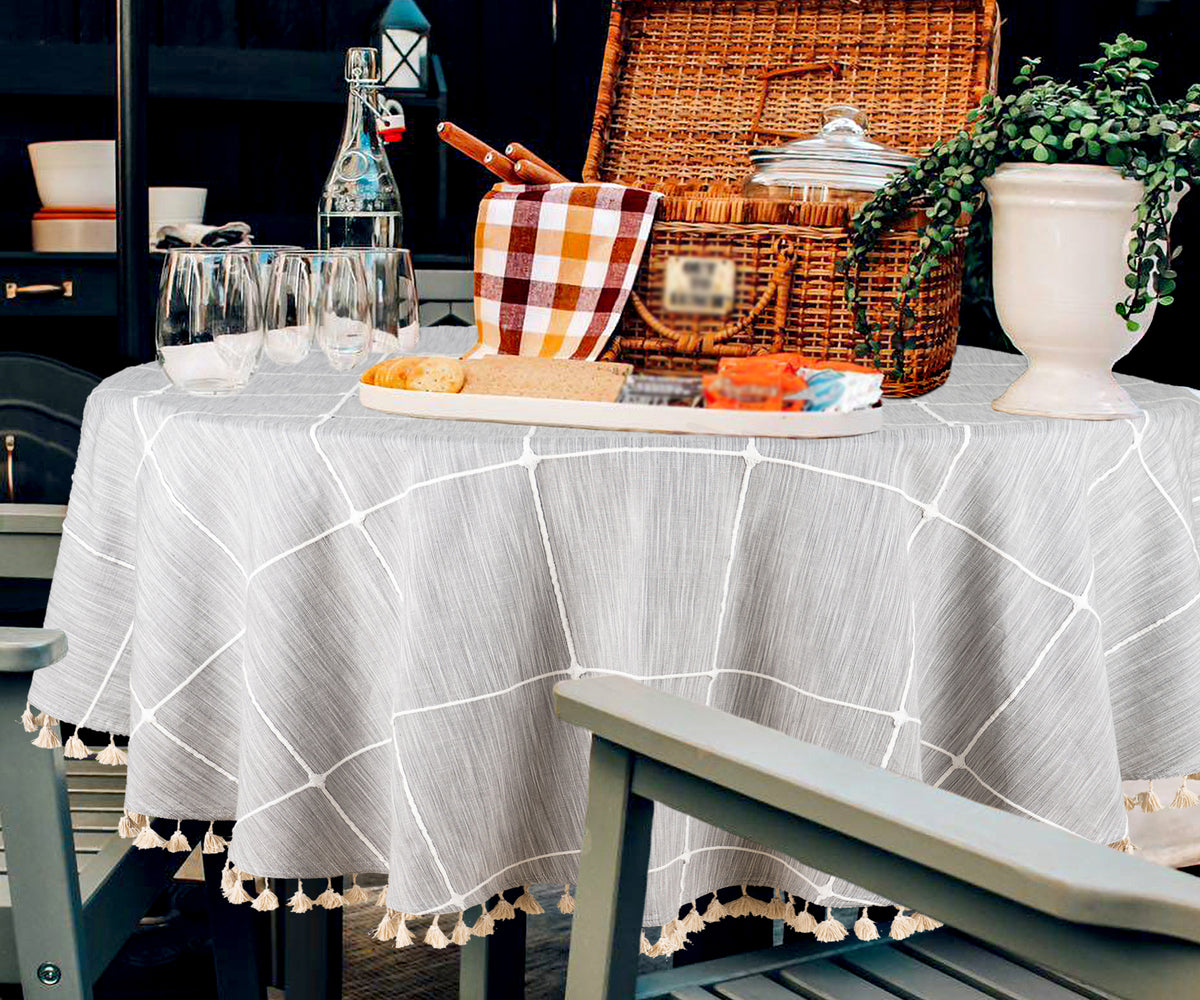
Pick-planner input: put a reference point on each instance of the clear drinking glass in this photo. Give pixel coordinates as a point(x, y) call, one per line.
point(209, 321)
point(393, 290)
point(290, 305)
point(343, 326)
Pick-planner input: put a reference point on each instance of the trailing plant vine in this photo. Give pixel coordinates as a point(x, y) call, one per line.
point(1110, 118)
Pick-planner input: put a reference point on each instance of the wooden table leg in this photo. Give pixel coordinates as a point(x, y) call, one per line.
point(312, 945)
point(493, 967)
point(236, 932)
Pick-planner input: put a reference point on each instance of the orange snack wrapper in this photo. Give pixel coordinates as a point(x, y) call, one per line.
point(768, 386)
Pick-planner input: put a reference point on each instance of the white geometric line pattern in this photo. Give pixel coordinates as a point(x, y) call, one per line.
point(441, 700)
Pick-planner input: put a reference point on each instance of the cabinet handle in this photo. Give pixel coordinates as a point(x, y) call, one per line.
point(10, 445)
point(65, 290)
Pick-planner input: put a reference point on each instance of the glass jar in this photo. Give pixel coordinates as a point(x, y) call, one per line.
point(840, 164)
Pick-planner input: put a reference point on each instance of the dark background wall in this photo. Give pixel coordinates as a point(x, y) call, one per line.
point(512, 73)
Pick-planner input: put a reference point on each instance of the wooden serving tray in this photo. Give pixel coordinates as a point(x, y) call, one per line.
point(618, 416)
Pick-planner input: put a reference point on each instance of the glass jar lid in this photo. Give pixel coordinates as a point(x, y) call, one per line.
point(839, 156)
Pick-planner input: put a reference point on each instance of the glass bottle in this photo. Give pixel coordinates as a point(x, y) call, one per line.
point(360, 206)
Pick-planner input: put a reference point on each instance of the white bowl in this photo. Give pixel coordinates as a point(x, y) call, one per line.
point(75, 235)
point(173, 206)
point(75, 174)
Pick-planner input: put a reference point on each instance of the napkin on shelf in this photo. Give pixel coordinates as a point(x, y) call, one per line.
point(195, 234)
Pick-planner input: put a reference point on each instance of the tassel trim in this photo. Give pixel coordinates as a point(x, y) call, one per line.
point(485, 925)
point(434, 936)
point(566, 902)
point(213, 842)
point(1124, 845)
point(47, 737)
point(330, 899)
point(503, 910)
point(830, 929)
point(266, 901)
point(461, 933)
point(112, 755)
point(388, 926)
point(178, 842)
point(75, 748)
point(903, 925)
point(28, 722)
point(147, 839)
point(355, 894)
point(1185, 798)
point(864, 927)
point(803, 922)
point(527, 904)
point(300, 903)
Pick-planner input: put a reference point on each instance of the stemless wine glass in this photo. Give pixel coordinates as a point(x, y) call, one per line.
point(393, 290)
point(344, 314)
point(209, 322)
point(290, 306)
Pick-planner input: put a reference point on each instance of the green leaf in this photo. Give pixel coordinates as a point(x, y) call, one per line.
point(1041, 154)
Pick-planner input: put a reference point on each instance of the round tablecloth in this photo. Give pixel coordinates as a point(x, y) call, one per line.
point(342, 628)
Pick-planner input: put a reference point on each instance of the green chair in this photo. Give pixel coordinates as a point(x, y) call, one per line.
point(1032, 913)
point(70, 897)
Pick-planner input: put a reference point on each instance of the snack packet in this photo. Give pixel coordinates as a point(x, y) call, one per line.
point(830, 386)
point(766, 386)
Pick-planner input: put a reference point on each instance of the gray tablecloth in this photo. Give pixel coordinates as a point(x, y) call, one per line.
point(342, 628)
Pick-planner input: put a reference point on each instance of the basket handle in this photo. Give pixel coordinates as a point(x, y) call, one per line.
point(691, 343)
point(833, 66)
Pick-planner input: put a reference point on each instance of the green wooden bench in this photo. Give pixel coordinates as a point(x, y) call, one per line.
point(1035, 913)
point(72, 890)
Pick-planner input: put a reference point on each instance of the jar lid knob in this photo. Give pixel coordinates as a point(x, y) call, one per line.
point(844, 120)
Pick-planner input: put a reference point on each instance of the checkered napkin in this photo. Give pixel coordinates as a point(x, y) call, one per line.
point(554, 265)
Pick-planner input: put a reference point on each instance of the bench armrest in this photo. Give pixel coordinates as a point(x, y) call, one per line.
point(1023, 860)
point(23, 650)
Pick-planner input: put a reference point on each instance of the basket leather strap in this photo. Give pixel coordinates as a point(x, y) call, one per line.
point(691, 343)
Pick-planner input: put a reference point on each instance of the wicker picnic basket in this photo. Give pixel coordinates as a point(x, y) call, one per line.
point(689, 87)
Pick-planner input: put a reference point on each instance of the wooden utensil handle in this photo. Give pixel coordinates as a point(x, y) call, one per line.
point(515, 151)
point(535, 173)
point(478, 150)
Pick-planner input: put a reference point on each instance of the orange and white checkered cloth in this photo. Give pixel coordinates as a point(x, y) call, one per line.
point(554, 264)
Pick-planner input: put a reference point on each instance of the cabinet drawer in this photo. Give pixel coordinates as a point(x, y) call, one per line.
point(58, 285)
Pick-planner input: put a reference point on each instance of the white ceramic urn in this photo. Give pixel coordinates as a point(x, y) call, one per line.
point(1059, 239)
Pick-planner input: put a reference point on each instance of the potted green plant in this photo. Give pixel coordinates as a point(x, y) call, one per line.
point(1083, 180)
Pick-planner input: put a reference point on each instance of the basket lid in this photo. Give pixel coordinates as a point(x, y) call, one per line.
point(690, 87)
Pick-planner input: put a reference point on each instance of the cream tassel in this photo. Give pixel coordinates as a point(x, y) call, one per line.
point(716, 911)
point(300, 903)
point(434, 936)
point(743, 906)
point(404, 937)
point(1148, 800)
point(776, 909)
point(213, 842)
point(388, 926)
point(692, 923)
point(864, 927)
point(128, 827)
point(644, 945)
point(356, 893)
point(228, 878)
point(485, 925)
point(147, 838)
point(830, 929)
point(1185, 798)
point(461, 933)
point(381, 900)
point(503, 910)
point(239, 894)
point(47, 738)
point(566, 902)
point(925, 923)
point(266, 901)
point(1130, 802)
point(178, 842)
point(75, 749)
point(804, 922)
point(112, 755)
point(1124, 845)
point(330, 899)
point(1194, 777)
point(526, 902)
point(902, 925)
point(28, 722)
